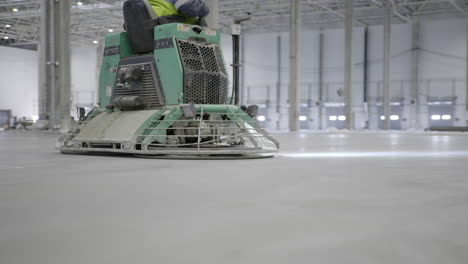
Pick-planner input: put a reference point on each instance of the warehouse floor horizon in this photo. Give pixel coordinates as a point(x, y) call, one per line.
point(327, 198)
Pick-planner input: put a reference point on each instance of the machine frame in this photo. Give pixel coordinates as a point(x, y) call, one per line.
point(174, 101)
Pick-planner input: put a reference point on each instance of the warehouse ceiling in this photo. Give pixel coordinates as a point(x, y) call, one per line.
point(92, 19)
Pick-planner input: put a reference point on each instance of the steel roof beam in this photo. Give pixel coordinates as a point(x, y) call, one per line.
point(457, 6)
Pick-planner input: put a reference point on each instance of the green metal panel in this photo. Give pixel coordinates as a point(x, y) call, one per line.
point(117, 46)
point(185, 31)
point(171, 73)
point(168, 59)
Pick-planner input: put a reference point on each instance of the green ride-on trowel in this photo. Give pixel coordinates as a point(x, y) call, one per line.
point(164, 92)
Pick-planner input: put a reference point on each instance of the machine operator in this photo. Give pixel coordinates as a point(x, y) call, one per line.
point(192, 10)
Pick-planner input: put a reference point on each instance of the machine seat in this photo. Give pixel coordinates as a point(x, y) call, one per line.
point(140, 21)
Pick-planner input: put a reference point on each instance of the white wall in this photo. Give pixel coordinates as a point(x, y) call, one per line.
point(260, 64)
point(444, 49)
point(19, 79)
point(85, 74)
point(442, 63)
point(443, 54)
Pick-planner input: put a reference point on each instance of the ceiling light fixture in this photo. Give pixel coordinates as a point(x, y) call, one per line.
point(15, 9)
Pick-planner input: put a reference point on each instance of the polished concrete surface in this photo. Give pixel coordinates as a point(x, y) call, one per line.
point(328, 198)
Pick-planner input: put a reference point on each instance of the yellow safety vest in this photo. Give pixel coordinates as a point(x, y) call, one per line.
point(163, 8)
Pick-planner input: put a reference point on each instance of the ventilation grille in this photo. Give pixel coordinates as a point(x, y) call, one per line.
point(205, 78)
point(147, 86)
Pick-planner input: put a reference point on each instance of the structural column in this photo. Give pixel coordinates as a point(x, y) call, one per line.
point(461, 102)
point(466, 82)
point(421, 89)
point(44, 68)
point(294, 61)
point(411, 95)
point(349, 8)
point(278, 113)
point(213, 18)
point(386, 64)
point(99, 50)
point(242, 71)
point(321, 86)
point(370, 91)
point(54, 64)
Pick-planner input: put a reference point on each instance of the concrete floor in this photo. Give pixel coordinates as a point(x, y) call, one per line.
point(330, 198)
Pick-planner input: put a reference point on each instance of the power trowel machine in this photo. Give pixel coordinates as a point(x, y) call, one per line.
point(164, 92)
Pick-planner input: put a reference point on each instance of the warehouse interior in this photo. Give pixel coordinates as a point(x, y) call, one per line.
point(366, 99)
